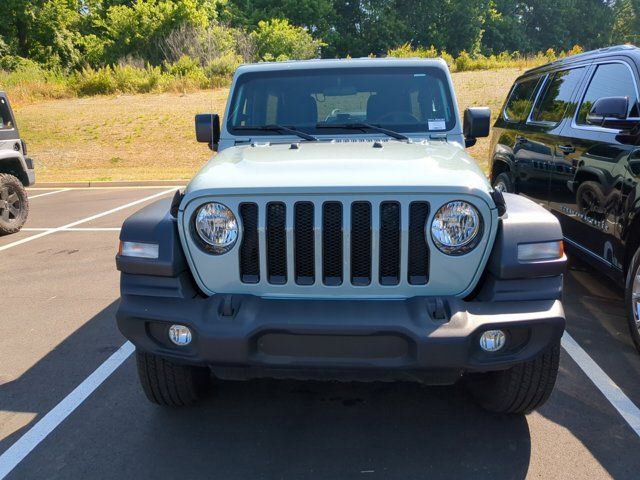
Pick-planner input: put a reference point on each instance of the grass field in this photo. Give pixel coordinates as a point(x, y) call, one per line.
point(151, 137)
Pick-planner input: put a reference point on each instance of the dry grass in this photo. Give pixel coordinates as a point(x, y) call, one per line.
point(484, 89)
point(151, 137)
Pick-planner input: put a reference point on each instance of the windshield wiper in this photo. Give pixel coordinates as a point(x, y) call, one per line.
point(279, 128)
point(364, 126)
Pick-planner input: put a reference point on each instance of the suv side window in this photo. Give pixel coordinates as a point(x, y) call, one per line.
point(5, 118)
point(556, 95)
point(609, 80)
point(519, 103)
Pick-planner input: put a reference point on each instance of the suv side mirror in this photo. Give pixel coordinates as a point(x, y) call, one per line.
point(609, 112)
point(208, 129)
point(477, 123)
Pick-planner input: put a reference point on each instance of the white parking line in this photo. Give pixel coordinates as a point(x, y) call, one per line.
point(36, 434)
point(31, 197)
point(79, 229)
point(613, 393)
point(47, 424)
point(84, 220)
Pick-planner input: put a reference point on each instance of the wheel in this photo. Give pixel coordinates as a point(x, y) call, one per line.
point(520, 389)
point(632, 298)
point(14, 204)
point(590, 199)
point(168, 384)
point(503, 184)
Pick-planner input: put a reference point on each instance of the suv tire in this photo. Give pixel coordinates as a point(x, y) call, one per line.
point(632, 285)
point(590, 199)
point(520, 389)
point(14, 204)
point(503, 183)
point(169, 384)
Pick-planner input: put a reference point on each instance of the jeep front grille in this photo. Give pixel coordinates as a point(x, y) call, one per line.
point(330, 249)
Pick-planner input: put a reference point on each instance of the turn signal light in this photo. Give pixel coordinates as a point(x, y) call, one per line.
point(139, 250)
point(539, 252)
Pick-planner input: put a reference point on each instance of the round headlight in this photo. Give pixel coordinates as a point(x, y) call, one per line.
point(217, 227)
point(456, 228)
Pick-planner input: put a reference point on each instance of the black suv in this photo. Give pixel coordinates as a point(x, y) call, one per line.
point(568, 137)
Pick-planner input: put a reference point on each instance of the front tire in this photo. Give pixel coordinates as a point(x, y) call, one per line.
point(14, 204)
point(503, 183)
point(520, 389)
point(169, 384)
point(632, 299)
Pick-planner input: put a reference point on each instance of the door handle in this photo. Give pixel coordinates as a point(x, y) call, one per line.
point(567, 149)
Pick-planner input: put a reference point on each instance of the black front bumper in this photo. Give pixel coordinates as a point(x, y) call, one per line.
point(435, 341)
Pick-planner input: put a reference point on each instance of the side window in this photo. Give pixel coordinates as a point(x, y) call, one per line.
point(519, 103)
point(555, 99)
point(6, 122)
point(609, 80)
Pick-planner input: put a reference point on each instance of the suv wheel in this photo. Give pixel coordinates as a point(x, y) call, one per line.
point(632, 298)
point(521, 389)
point(503, 184)
point(14, 204)
point(169, 384)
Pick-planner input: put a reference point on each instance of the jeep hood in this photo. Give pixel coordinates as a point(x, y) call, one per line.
point(352, 166)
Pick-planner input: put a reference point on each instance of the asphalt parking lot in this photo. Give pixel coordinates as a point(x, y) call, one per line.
point(59, 293)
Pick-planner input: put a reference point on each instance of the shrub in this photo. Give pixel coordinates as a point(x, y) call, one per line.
point(129, 79)
point(94, 82)
point(28, 81)
point(278, 40)
point(186, 74)
point(220, 70)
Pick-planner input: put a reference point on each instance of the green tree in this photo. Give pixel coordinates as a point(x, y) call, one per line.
point(277, 39)
point(136, 30)
point(627, 21)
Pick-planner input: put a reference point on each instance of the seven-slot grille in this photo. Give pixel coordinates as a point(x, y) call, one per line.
point(345, 248)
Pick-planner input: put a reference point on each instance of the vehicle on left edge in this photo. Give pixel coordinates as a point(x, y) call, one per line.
point(16, 172)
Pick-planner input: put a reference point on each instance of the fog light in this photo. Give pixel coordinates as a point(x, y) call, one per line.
point(180, 335)
point(492, 340)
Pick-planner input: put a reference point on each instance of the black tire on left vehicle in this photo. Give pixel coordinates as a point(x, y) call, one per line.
point(520, 389)
point(14, 204)
point(503, 183)
point(632, 298)
point(170, 384)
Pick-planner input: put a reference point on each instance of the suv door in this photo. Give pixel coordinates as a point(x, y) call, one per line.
point(588, 185)
point(508, 130)
point(536, 144)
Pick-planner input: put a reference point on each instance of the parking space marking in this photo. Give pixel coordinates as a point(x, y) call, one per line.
point(36, 434)
point(78, 229)
point(31, 197)
point(84, 220)
point(612, 392)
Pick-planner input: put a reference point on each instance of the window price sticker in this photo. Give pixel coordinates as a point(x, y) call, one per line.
point(437, 124)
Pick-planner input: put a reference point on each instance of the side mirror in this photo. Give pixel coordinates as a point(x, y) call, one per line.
point(477, 123)
point(609, 112)
point(208, 129)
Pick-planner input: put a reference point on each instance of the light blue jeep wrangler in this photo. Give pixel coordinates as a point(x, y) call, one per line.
point(343, 233)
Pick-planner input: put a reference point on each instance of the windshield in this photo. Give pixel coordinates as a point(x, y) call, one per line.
point(402, 99)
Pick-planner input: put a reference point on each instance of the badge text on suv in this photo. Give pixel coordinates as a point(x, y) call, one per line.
point(342, 232)
point(568, 139)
